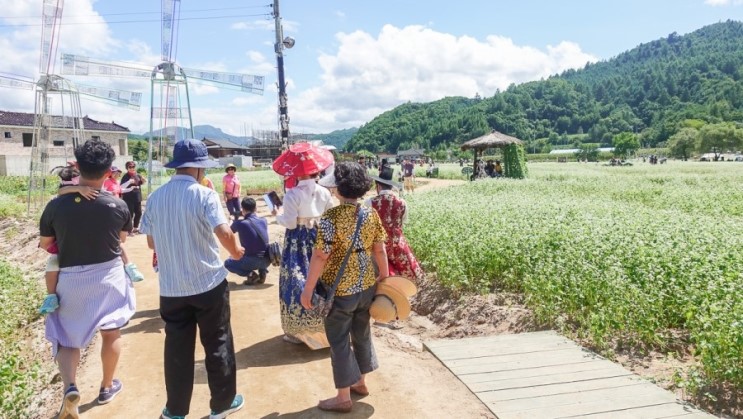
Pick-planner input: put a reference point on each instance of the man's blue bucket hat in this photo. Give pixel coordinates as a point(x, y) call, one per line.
point(190, 153)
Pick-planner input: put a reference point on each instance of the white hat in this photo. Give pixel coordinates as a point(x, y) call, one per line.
point(328, 180)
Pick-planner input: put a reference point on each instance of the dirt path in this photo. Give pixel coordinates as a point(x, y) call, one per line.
point(278, 379)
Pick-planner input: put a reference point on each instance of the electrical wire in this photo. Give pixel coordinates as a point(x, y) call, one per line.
point(143, 13)
point(138, 21)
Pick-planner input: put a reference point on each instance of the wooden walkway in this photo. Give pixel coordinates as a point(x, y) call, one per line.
point(544, 375)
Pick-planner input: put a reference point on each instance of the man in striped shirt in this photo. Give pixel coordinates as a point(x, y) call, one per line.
point(181, 220)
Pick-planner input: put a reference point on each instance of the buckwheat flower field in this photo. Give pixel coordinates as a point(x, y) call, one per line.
point(646, 255)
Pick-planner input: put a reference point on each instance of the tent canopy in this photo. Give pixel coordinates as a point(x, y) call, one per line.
point(494, 139)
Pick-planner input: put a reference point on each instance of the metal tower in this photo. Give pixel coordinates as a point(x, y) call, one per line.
point(57, 103)
point(168, 81)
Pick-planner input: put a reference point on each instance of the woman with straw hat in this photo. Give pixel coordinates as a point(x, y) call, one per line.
point(349, 237)
point(301, 210)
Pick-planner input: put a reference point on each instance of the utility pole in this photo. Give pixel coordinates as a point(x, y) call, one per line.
point(279, 46)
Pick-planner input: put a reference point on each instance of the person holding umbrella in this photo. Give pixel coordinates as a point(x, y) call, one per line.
point(303, 206)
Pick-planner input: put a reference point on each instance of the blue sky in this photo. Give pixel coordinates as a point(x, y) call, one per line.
point(352, 59)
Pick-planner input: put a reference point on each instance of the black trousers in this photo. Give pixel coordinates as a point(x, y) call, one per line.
point(135, 209)
point(211, 312)
point(349, 334)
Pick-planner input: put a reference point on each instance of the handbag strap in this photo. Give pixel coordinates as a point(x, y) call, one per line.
point(348, 252)
point(257, 231)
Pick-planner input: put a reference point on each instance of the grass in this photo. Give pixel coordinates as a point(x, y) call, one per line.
point(639, 255)
point(19, 298)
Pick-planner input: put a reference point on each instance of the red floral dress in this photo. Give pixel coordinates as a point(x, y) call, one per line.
point(401, 259)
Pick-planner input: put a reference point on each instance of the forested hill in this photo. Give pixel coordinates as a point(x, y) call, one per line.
point(648, 90)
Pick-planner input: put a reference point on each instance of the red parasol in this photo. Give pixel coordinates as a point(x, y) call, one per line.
point(302, 159)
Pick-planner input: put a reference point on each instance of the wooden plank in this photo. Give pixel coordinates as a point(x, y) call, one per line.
point(583, 403)
point(549, 370)
point(542, 374)
point(517, 337)
point(570, 378)
point(568, 357)
point(496, 349)
point(658, 411)
point(566, 389)
point(505, 358)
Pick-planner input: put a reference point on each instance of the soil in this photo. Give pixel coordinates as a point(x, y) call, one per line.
point(282, 380)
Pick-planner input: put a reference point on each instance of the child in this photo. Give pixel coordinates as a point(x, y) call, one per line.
point(70, 177)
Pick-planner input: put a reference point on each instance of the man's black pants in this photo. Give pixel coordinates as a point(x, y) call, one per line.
point(211, 312)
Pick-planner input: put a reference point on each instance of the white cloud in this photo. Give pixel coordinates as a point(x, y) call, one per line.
point(723, 2)
point(340, 14)
point(368, 75)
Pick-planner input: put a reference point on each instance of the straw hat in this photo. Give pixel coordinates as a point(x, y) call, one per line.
point(391, 299)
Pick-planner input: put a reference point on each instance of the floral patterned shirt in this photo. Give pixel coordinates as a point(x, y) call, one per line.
point(334, 234)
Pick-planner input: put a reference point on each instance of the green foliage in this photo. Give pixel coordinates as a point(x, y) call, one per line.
point(19, 299)
point(139, 150)
point(587, 152)
point(252, 182)
point(720, 138)
point(632, 256)
point(514, 162)
point(683, 143)
point(625, 144)
point(653, 90)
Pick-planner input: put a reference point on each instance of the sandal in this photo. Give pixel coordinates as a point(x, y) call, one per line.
point(360, 389)
point(331, 405)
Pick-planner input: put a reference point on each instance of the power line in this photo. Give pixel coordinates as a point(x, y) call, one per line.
point(142, 13)
point(143, 21)
point(137, 21)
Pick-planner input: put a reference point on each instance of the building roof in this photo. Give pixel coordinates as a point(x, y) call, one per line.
point(23, 119)
point(219, 143)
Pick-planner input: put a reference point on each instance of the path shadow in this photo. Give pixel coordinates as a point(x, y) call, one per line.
point(275, 351)
point(360, 411)
point(152, 324)
point(240, 287)
point(82, 408)
point(146, 313)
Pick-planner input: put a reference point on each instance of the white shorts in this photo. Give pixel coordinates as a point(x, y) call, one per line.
point(52, 264)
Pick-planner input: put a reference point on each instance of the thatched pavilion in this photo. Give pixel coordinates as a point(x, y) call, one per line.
point(514, 161)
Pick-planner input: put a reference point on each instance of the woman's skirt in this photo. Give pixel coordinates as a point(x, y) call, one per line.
point(401, 260)
point(304, 325)
point(91, 298)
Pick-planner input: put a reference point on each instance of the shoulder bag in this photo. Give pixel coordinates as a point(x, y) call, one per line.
point(322, 297)
point(274, 249)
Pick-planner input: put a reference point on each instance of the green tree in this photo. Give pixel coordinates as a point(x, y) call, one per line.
point(719, 138)
point(683, 143)
point(587, 152)
point(625, 144)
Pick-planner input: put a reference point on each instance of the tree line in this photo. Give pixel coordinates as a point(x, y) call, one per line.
point(655, 93)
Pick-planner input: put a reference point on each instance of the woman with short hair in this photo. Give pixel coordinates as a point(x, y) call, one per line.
point(355, 230)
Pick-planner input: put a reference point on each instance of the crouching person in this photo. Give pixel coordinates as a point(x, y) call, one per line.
point(253, 233)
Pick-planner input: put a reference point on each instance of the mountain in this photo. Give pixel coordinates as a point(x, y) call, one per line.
point(337, 138)
point(200, 132)
point(650, 90)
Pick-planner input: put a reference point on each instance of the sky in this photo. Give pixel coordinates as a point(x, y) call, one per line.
point(352, 59)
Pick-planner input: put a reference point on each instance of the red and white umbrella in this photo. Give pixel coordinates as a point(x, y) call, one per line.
point(302, 159)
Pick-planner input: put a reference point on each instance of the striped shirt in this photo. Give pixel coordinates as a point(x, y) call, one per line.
point(181, 217)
